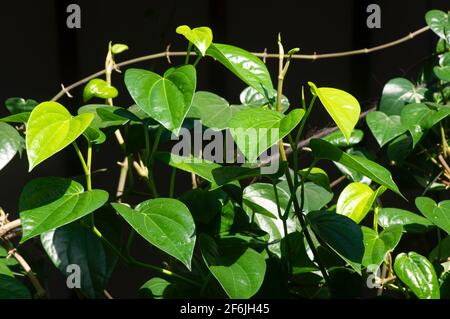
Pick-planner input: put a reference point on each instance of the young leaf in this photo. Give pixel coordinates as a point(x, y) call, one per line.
point(50, 202)
point(384, 128)
point(99, 88)
point(438, 21)
point(16, 118)
point(377, 245)
point(244, 65)
point(418, 274)
point(166, 99)
point(324, 150)
point(397, 93)
point(239, 269)
point(201, 37)
point(10, 143)
point(118, 48)
point(355, 201)
point(343, 108)
point(438, 214)
point(411, 222)
point(17, 105)
point(442, 71)
point(255, 130)
point(50, 129)
point(164, 222)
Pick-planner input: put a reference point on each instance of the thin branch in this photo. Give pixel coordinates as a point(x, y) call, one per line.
point(167, 54)
point(9, 227)
point(444, 163)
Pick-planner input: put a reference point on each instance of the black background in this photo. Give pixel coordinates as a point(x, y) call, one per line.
point(38, 53)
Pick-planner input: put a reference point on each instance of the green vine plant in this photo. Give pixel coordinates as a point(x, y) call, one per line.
point(264, 221)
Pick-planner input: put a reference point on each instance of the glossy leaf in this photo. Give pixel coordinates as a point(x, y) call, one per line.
point(341, 233)
point(251, 97)
point(16, 118)
point(384, 128)
point(324, 150)
point(316, 196)
point(316, 175)
point(418, 274)
point(414, 117)
point(99, 88)
point(118, 48)
point(255, 130)
point(239, 269)
point(50, 129)
point(411, 222)
point(10, 143)
point(352, 174)
point(338, 139)
point(441, 251)
point(164, 222)
point(244, 65)
point(397, 93)
point(166, 99)
point(400, 148)
point(377, 245)
point(260, 197)
point(438, 214)
point(50, 202)
point(438, 21)
point(201, 37)
point(442, 71)
point(343, 108)
point(16, 105)
point(104, 115)
point(355, 201)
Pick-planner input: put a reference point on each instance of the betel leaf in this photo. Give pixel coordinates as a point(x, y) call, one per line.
point(411, 222)
point(316, 175)
point(352, 174)
point(10, 143)
point(315, 196)
point(384, 128)
point(355, 201)
point(324, 150)
point(397, 93)
point(94, 135)
point(166, 223)
point(415, 118)
point(343, 108)
point(16, 105)
point(418, 274)
point(99, 88)
point(244, 65)
point(377, 245)
point(50, 129)
point(239, 269)
point(438, 116)
point(438, 214)
point(251, 97)
point(338, 139)
point(118, 48)
point(50, 202)
point(104, 115)
point(341, 233)
point(442, 71)
point(438, 21)
point(201, 37)
point(16, 118)
point(167, 98)
point(260, 197)
point(76, 244)
point(11, 288)
point(441, 251)
point(255, 130)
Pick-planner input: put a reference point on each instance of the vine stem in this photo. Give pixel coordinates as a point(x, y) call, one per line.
point(86, 166)
point(167, 54)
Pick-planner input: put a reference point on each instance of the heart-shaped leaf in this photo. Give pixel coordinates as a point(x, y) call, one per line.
point(315, 196)
point(352, 174)
point(418, 274)
point(254, 130)
point(343, 108)
point(17, 105)
point(239, 269)
point(415, 118)
point(166, 99)
point(16, 118)
point(10, 143)
point(244, 65)
point(251, 97)
point(260, 197)
point(201, 37)
point(99, 88)
point(316, 175)
point(104, 115)
point(355, 201)
point(442, 71)
point(397, 93)
point(50, 129)
point(166, 223)
point(384, 128)
point(438, 21)
point(338, 139)
point(411, 222)
point(438, 214)
point(378, 245)
point(50, 202)
point(324, 150)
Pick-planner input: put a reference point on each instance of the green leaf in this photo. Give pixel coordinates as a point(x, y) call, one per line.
point(201, 37)
point(164, 222)
point(438, 21)
point(411, 222)
point(437, 116)
point(244, 65)
point(378, 245)
point(251, 97)
point(400, 148)
point(442, 71)
point(438, 214)
point(316, 196)
point(50, 202)
point(10, 143)
point(203, 204)
point(384, 128)
point(341, 233)
point(324, 150)
point(316, 175)
point(343, 108)
point(338, 139)
point(397, 93)
point(16, 105)
point(99, 88)
point(166, 99)
point(50, 129)
point(11, 288)
point(301, 263)
point(95, 135)
point(16, 118)
point(260, 197)
point(76, 244)
point(239, 269)
point(255, 130)
point(355, 201)
point(118, 48)
point(418, 274)
point(414, 117)
point(104, 115)
point(351, 173)
point(441, 251)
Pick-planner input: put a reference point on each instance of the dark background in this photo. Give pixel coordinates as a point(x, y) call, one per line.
point(39, 52)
